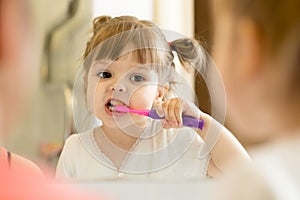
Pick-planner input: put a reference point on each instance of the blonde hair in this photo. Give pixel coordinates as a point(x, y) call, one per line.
point(111, 37)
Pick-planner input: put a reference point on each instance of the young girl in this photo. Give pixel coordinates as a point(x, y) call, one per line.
point(128, 62)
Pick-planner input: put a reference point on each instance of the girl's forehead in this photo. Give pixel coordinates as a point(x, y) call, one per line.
point(121, 64)
point(138, 57)
point(129, 59)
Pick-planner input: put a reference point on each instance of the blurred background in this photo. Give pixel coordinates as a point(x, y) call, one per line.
point(62, 29)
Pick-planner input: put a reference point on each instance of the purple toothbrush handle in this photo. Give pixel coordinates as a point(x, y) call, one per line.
point(186, 120)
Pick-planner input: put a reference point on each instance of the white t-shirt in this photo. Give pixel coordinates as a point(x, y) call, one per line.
point(168, 155)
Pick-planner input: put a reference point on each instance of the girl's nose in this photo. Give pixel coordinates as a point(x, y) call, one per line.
point(119, 88)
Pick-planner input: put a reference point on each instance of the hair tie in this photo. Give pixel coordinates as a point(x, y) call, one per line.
point(171, 46)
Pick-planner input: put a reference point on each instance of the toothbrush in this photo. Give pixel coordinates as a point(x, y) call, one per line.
point(186, 120)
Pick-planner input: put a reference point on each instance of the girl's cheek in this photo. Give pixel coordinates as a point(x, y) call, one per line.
point(143, 98)
point(94, 97)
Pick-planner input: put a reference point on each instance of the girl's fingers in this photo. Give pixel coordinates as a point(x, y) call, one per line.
point(178, 112)
point(173, 113)
point(159, 110)
point(167, 125)
point(173, 109)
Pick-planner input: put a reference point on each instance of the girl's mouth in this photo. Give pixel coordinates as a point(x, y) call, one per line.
point(111, 103)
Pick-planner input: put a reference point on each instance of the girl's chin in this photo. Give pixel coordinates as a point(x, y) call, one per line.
point(124, 123)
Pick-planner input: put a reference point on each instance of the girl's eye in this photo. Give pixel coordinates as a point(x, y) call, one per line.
point(104, 75)
point(137, 78)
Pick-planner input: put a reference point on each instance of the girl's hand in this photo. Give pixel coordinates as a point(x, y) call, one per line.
point(173, 109)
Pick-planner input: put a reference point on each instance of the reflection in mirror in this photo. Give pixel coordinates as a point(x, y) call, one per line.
point(129, 62)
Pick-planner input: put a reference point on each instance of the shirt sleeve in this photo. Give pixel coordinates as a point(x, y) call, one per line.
point(66, 166)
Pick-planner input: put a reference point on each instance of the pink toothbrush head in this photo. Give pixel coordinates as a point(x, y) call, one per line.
point(125, 109)
point(121, 109)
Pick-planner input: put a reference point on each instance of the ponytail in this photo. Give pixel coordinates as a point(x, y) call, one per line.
point(190, 54)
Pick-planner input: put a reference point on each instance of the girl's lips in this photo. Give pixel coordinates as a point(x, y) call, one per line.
point(110, 104)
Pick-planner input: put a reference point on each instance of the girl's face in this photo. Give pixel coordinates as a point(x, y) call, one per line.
point(121, 82)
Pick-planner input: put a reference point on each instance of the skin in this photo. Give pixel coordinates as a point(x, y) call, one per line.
point(226, 149)
point(124, 81)
point(118, 80)
point(127, 83)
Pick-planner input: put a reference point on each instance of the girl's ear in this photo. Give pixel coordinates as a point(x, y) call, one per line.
point(161, 91)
